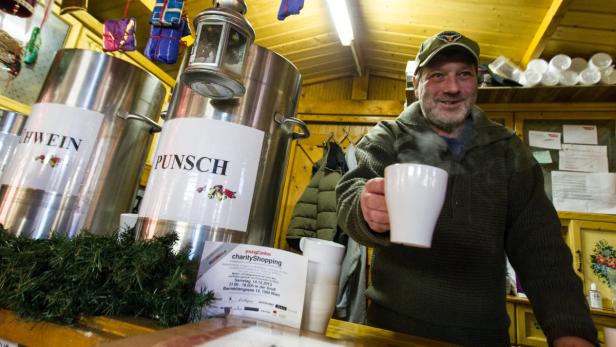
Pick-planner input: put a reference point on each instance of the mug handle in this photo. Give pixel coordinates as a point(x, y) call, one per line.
point(302, 241)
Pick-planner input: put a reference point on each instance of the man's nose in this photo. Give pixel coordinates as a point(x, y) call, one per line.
point(451, 84)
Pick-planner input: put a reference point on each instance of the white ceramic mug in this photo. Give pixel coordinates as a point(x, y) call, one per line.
point(321, 251)
point(414, 194)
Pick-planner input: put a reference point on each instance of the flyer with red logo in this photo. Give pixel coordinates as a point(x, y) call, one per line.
point(253, 281)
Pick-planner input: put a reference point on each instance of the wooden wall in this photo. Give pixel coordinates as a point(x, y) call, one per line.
point(341, 110)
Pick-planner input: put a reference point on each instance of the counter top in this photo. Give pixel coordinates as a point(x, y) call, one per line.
point(240, 332)
point(110, 332)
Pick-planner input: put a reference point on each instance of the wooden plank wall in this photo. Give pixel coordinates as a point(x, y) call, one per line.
point(341, 122)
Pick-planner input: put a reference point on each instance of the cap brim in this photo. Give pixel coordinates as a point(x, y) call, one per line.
point(451, 45)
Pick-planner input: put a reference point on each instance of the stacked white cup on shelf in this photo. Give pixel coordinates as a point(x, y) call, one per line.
point(564, 70)
point(324, 263)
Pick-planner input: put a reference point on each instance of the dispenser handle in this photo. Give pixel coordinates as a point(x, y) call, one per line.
point(278, 118)
point(128, 116)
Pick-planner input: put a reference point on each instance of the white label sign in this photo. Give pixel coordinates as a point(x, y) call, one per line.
point(54, 148)
point(254, 281)
point(204, 172)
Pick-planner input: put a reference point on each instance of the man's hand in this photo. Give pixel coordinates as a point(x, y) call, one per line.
point(571, 341)
point(373, 206)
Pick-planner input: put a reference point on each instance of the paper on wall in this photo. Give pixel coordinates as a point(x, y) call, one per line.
point(544, 139)
point(583, 158)
point(253, 281)
point(584, 134)
point(543, 157)
point(584, 192)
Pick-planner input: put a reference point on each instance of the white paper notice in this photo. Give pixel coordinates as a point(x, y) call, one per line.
point(583, 158)
point(254, 281)
point(584, 192)
point(544, 139)
point(543, 157)
point(585, 134)
point(264, 337)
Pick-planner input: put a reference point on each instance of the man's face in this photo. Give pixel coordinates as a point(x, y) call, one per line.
point(447, 90)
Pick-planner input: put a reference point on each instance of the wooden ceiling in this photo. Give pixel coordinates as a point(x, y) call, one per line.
point(389, 32)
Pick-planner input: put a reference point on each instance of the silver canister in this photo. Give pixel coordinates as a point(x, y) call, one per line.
point(83, 148)
point(202, 202)
point(11, 125)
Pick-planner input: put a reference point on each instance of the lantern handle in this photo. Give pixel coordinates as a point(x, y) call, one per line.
point(282, 120)
point(155, 127)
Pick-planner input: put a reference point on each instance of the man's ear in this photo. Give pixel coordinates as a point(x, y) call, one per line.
point(415, 85)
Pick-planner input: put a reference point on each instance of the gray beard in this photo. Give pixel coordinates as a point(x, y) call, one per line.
point(446, 127)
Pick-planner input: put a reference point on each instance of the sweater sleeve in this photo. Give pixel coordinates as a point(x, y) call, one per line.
point(373, 154)
point(539, 255)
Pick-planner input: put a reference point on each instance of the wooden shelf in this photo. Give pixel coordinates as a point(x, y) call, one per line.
point(499, 95)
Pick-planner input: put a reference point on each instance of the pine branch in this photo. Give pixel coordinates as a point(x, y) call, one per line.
point(59, 280)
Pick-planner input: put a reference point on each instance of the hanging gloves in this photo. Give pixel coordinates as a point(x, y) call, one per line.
point(289, 7)
point(119, 35)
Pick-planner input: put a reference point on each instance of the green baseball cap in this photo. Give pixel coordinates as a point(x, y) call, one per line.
point(444, 40)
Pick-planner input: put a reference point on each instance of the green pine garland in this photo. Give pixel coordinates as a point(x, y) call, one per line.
point(59, 280)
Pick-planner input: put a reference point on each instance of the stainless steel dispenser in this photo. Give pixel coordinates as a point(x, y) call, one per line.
point(11, 125)
point(198, 204)
point(83, 148)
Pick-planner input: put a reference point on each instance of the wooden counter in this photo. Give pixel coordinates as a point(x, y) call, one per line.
point(108, 332)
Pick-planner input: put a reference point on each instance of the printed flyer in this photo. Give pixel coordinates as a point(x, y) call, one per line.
point(253, 281)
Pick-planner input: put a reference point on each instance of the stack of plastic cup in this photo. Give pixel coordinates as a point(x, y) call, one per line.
point(568, 78)
point(600, 61)
point(324, 262)
point(578, 64)
point(589, 76)
point(550, 78)
point(560, 62)
point(609, 77)
point(558, 65)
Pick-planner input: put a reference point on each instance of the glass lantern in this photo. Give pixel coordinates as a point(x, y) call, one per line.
point(216, 62)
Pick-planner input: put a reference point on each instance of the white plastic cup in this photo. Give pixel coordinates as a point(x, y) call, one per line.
point(530, 78)
point(538, 65)
point(321, 251)
point(550, 78)
point(568, 78)
point(128, 221)
point(560, 62)
point(319, 305)
point(609, 78)
point(610, 336)
point(600, 61)
point(578, 64)
point(590, 76)
point(414, 194)
point(323, 273)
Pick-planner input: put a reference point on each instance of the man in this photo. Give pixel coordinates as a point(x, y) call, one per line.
point(495, 207)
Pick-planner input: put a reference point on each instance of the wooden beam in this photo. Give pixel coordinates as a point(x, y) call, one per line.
point(360, 87)
point(358, 57)
point(549, 24)
point(352, 107)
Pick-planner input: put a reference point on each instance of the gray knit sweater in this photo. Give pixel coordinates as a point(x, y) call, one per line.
point(495, 206)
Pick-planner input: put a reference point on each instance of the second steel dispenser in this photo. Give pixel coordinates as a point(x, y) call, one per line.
point(218, 170)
